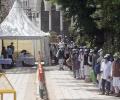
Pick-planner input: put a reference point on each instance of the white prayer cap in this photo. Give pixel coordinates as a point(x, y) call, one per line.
point(100, 50)
point(84, 47)
point(91, 51)
point(108, 55)
point(105, 56)
point(86, 50)
point(116, 55)
point(81, 50)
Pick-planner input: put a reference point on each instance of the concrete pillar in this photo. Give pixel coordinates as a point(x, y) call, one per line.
point(50, 21)
point(61, 22)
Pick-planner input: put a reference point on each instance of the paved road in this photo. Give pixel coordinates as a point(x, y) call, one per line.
point(23, 80)
point(62, 86)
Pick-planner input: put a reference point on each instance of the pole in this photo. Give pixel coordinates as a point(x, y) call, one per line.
point(40, 20)
point(2, 43)
point(1, 96)
point(34, 48)
point(50, 16)
point(17, 48)
point(14, 95)
point(61, 23)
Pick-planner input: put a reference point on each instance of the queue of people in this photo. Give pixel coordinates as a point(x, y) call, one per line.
point(91, 65)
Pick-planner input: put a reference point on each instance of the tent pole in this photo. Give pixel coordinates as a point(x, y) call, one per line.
point(17, 48)
point(44, 52)
point(34, 48)
point(2, 43)
point(40, 50)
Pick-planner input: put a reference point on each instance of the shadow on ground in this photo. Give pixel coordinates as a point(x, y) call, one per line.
point(83, 99)
point(21, 70)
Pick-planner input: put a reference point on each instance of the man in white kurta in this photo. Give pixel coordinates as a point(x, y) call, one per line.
point(106, 73)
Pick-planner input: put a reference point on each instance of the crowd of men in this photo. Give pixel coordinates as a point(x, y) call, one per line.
point(91, 65)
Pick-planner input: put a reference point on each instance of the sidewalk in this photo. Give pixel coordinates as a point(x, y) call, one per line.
point(23, 80)
point(62, 86)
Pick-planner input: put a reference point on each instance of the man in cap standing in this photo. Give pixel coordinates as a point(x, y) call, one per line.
point(12, 48)
point(116, 75)
point(81, 59)
point(61, 56)
point(76, 62)
point(106, 67)
point(86, 67)
point(94, 62)
point(90, 62)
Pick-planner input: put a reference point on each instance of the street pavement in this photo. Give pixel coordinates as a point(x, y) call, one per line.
point(23, 80)
point(62, 86)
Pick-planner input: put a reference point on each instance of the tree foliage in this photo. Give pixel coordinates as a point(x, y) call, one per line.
point(80, 11)
point(111, 23)
point(98, 19)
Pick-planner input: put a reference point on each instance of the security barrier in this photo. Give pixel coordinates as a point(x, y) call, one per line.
point(41, 80)
point(6, 87)
point(40, 72)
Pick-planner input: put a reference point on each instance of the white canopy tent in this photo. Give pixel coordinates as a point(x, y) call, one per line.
point(17, 26)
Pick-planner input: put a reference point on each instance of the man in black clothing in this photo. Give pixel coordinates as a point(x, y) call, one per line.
point(13, 48)
point(61, 57)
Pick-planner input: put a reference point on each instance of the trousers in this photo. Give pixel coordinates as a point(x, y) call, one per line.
point(105, 86)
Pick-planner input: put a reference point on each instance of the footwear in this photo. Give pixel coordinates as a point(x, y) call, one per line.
point(117, 95)
point(74, 76)
point(102, 93)
point(62, 68)
point(107, 93)
point(111, 92)
point(78, 78)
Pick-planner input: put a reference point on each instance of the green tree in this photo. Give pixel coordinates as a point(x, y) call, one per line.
point(111, 23)
point(82, 13)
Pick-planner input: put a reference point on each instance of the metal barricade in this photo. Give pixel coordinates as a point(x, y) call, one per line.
point(6, 87)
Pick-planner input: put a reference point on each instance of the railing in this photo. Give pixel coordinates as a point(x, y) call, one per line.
point(6, 87)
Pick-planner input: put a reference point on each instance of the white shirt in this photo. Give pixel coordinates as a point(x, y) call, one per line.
point(106, 70)
point(61, 44)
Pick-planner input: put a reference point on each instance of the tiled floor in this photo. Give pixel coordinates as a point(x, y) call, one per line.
point(23, 80)
point(62, 86)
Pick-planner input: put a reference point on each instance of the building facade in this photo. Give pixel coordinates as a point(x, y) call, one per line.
point(47, 20)
point(50, 20)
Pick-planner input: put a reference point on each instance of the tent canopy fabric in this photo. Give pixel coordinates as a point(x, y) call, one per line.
point(18, 26)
